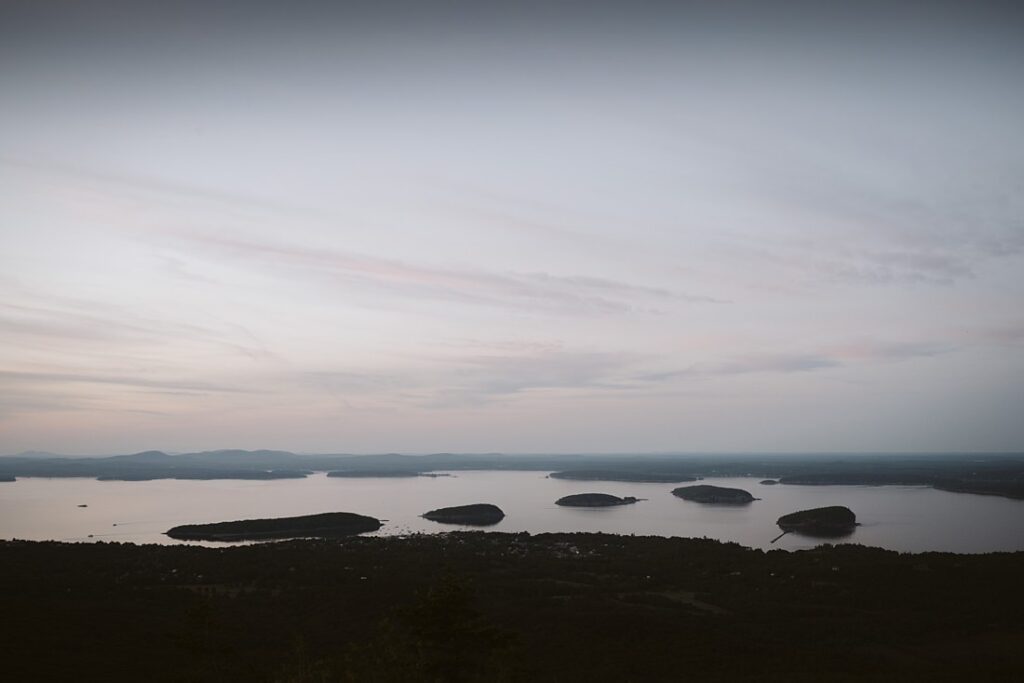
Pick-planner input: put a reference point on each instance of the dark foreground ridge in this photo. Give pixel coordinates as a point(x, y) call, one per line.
point(476, 606)
point(325, 525)
point(594, 500)
point(714, 495)
point(827, 522)
point(477, 514)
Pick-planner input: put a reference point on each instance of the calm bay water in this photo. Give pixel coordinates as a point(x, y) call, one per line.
point(903, 518)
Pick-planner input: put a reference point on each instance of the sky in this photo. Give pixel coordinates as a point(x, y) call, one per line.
point(520, 227)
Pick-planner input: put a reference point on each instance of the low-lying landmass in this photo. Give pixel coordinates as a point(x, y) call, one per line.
point(7, 477)
point(623, 475)
point(714, 495)
point(827, 522)
point(1007, 483)
point(205, 474)
point(386, 474)
point(983, 487)
point(769, 482)
point(325, 525)
point(594, 500)
point(489, 607)
point(985, 474)
point(477, 514)
point(369, 474)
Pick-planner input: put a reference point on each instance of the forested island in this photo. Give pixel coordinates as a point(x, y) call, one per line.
point(594, 500)
point(714, 495)
point(476, 606)
point(325, 525)
point(827, 522)
point(477, 514)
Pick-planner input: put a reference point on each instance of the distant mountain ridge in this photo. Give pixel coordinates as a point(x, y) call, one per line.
point(987, 474)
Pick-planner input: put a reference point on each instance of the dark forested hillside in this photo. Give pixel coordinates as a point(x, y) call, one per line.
point(505, 607)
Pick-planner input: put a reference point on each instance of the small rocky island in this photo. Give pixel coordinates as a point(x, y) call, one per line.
point(477, 514)
point(325, 525)
point(594, 500)
point(769, 482)
point(715, 495)
point(826, 522)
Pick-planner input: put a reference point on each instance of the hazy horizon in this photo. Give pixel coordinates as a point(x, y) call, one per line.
point(445, 226)
point(610, 454)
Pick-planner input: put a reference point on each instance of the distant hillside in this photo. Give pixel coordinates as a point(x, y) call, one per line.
point(987, 474)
